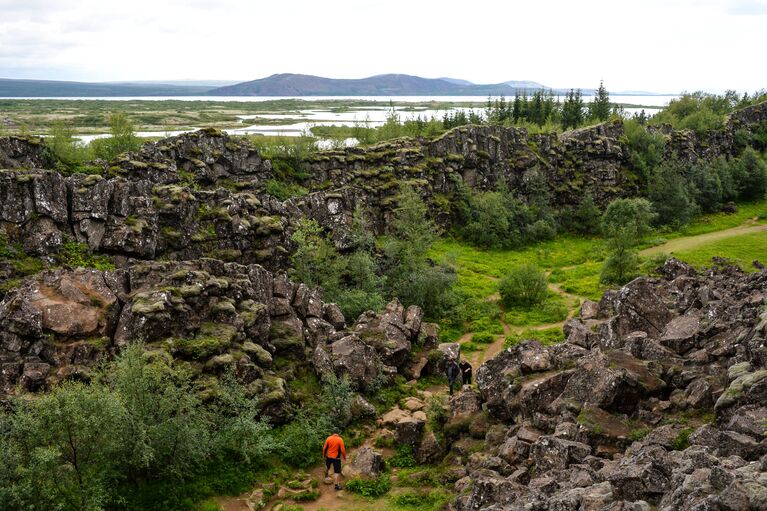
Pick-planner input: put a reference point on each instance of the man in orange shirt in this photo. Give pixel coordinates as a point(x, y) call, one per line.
point(332, 451)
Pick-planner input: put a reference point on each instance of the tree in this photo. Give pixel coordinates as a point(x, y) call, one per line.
point(69, 154)
point(72, 440)
point(586, 216)
point(750, 175)
point(523, 286)
point(572, 110)
point(122, 139)
point(599, 108)
point(671, 196)
point(624, 223)
point(632, 216)
point(315, 260)
point(411, 275)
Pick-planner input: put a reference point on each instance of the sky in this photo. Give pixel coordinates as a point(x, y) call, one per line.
point(649, 45)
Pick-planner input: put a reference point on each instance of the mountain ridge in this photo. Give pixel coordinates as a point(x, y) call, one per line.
point(281, 84)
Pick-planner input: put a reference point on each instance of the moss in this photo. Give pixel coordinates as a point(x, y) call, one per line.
point(171, 233)
point(212, 339)
point(146, 304)
point(682, 440)
point(225, 306)
point(136, 225)
point(738, 387)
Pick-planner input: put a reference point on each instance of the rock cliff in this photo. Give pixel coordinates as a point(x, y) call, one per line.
point(207, 316)
point(655, 401)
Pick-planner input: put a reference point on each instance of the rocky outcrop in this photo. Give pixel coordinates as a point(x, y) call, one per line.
point(207, 315)
point(24, 152)
point(655, 401)
point(202, 194)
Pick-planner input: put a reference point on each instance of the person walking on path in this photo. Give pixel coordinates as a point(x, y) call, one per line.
point(465, 371)
point(453, 371)
point(332, 451)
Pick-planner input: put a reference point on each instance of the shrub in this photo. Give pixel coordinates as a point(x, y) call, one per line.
point(682, 442)
point(483, 338)
point(370, 488)
point(525, 285)
point(749, 174)
point(670, 195)
point(338, 394)
point(403, 458)
point(299, 440)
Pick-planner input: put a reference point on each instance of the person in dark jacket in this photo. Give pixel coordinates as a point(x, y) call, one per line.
point(453, 371)
point(465, 371)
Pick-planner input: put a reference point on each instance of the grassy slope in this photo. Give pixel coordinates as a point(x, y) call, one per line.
point(574, 264)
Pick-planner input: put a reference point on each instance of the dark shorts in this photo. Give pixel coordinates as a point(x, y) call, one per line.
point(336, 462)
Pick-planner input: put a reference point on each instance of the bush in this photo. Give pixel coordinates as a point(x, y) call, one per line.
point(370, 488)
point(483, 338)
point(585, 218)
point(300, 440)
point(403, 458)
point(525, 285)
point(670, 195)
point(749, 174)
point(338, 394)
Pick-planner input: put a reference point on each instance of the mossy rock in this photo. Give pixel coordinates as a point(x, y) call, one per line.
point(258, 354)
point(212, 339)
point(148, 304)
point(739, 387)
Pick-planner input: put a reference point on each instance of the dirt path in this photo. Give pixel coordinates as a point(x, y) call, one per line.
point(688, 242)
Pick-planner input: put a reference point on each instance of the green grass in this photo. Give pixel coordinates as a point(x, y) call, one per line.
point(720, 221)
point(739, 249)
point(552, 310)
point(582, 280)
point(547, 336)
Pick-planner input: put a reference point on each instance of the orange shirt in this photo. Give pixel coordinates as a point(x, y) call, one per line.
point(334, 447)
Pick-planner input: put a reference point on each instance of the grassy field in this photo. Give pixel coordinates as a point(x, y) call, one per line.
point(91, 116)
point(573, 265)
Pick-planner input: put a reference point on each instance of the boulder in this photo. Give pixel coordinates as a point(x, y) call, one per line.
point(366, 463)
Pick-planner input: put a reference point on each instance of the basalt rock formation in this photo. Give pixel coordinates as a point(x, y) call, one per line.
point(202, 194)
point(657, 400)
point(206, 315)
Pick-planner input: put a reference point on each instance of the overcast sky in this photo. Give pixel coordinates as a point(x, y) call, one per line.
point(655, 45)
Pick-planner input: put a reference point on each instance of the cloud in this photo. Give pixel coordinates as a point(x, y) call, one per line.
point(665, 45)
point(747, 7)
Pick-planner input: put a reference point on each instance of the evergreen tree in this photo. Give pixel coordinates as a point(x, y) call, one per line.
point(572, 110)
point(516, 111)
point(599, 108)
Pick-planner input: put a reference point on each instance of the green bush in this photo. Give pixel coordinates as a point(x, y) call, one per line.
point(524, 285)
point(78, 255)
point(403, 458)
point(337, 395)
point(282, 190)
point(682, 440)
point(483, 338)
point(301, 439)
point(370, 488)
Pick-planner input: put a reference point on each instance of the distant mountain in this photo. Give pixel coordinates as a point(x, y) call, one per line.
point(289, 84)
point(278, 85)
point(456, 81)
point(525, 85)
point(59, 89)
point(183, 83)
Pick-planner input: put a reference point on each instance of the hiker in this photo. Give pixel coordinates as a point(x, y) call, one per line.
point(332, 452)
point(453, 371)
point(465, 371)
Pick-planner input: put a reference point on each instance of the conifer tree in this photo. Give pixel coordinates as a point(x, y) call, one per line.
point(599, 109)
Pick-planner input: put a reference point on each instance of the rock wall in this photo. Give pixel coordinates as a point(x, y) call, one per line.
point(657, 400)
point(207, 315)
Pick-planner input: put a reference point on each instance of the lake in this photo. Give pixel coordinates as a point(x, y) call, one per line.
point(295, 123)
